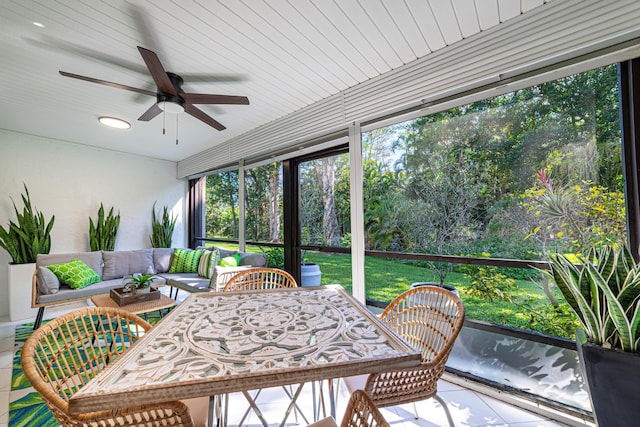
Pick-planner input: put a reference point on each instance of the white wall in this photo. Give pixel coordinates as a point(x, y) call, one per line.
point(71, 180)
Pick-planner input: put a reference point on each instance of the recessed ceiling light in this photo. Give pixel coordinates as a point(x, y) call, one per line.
point(39, 25)
point(114, 122)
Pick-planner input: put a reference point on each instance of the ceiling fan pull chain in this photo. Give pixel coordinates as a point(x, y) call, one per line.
point(177, 115)
point(163, 121)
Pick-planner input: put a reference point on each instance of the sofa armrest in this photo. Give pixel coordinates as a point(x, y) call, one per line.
point(34, 288)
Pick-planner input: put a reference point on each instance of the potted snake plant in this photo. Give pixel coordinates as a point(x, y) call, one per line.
point(603, 289)
point(102, 233)
point(24, 239)
point(162, 229)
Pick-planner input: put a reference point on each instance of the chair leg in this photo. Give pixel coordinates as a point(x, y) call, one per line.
point(446, 410)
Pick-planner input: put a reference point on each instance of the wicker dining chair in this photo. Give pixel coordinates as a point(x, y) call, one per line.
point(429, 318)
point(360, 412)
point(61, 356)
point(260, 278)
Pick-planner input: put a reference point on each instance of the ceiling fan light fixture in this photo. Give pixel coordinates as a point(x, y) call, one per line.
point(114, 122)
point(171, 107)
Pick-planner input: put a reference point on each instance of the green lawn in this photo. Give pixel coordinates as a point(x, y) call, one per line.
point(387, 278)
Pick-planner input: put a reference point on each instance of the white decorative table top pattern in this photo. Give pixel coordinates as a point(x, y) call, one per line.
point(215, 343)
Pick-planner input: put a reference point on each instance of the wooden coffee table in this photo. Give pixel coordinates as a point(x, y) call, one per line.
point(104, 300)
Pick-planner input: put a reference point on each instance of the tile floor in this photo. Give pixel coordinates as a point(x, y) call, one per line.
point(468, 408)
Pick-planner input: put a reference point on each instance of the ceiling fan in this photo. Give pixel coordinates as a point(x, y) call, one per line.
point(169, 96)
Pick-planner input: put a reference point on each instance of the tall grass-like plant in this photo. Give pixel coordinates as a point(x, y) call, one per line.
point(29, 236)
point(102, 234)
point(162, 229)
point(604, 292)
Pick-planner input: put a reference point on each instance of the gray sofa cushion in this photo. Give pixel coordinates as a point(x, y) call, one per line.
point(162, 259)
point(47, 281)
point(225, 252)
point(252, 259)
point(92, 259)
point(66, 293)
point(118, 264)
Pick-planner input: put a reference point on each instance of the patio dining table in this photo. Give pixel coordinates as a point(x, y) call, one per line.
point(223, 342)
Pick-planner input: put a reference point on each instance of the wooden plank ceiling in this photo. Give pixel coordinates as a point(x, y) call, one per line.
point(282, 54)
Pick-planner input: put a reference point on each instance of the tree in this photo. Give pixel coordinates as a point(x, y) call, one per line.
point(222, 204)
point(326, 176)
point(438, 214)
point(318, 212)
point(274, 202)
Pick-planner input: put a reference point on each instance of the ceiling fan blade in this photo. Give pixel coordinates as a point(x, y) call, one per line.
point(200, 115)
point(157, 71)
point(153, 111)
point(203, 98)
point(106, 83)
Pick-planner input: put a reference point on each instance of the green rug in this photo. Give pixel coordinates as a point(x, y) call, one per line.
point(26, 408)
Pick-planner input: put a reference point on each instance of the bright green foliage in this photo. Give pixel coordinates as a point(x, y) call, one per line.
point(488, 283)
point(29, 236)
point(577, 216)
point(604, 211)
point(604, 292)
point(162, 230)
point(102, 234)
point(275, 257)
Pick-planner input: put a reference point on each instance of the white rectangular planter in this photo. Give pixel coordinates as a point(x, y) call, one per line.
point(20, 276)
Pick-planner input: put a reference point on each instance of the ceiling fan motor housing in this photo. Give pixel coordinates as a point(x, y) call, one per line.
point(170, 103)
point(176, 103)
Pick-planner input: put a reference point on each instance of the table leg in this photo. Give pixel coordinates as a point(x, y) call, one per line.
point(255, 408)
point(332, 398)
point(212, 409)
point(293, 405)
point(225, 410)
point(217, 415)
point(246, 413)
point(319, 404)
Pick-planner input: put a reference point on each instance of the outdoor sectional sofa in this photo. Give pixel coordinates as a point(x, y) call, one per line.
point(112, 267)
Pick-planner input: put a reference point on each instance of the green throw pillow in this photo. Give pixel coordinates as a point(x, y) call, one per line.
point(185, 260)
point(75, 273)
point(207, 264)
point(230, 261)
